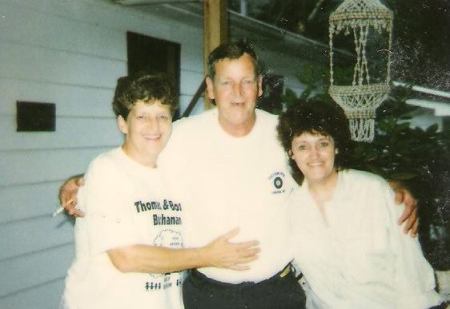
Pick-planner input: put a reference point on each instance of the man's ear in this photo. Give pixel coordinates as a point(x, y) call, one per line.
point(290, 153)
point(260, 84)
point(210, 88)
point(122, 124)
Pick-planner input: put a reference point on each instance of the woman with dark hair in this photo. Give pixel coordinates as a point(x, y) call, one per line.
point(345, 236)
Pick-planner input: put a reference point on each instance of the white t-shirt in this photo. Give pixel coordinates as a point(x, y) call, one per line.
point(361, 258)
point(125, 204)
point(230, 182)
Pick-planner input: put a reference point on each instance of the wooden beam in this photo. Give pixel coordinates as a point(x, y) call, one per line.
point(215, 30)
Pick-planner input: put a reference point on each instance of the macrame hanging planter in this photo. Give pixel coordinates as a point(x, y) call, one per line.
point(363, 19)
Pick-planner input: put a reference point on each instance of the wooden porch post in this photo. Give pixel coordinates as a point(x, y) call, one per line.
point(215, 30)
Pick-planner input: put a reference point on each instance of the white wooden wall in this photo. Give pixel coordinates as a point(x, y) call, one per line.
point(67, 52)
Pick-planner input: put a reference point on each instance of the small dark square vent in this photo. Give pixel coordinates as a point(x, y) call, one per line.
point(35, 116)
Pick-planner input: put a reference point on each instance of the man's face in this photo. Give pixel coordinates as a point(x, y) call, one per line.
point(235, 89)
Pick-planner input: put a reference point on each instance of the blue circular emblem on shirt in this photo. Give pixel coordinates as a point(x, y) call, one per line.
point(278, 182)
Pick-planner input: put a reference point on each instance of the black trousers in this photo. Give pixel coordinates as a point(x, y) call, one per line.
point(278, 292)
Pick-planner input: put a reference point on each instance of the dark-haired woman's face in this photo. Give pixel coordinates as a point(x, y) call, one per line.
point(314, 155)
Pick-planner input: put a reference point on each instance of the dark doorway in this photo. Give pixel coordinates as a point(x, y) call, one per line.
point(152, 55)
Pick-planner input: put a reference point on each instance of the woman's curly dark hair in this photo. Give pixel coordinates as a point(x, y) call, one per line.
point(315, 117)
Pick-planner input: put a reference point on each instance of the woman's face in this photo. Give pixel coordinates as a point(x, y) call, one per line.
point(147, 129)
point(314, 155)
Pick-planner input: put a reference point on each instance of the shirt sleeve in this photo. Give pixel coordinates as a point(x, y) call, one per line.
point(414, 277)
point(109, 219)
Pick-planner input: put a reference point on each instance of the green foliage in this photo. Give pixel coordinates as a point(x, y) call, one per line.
point(416, 158)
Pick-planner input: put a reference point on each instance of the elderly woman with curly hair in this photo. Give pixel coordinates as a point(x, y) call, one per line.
point(346, 240)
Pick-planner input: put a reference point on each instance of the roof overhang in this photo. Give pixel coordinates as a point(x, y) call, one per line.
point(440, 109)
point(263, 34)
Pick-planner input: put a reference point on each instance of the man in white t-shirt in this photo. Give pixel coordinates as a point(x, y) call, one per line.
point(233, 172)
point(129, 248)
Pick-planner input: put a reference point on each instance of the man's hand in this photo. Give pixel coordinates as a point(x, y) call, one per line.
point(409, 217)
point(222, 253)
point(68, 195)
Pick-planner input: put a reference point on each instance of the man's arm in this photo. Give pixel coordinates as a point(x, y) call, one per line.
point(68, 199)
point(144, 258)
point(219, 253)
point(68, 195)
point(409, 217)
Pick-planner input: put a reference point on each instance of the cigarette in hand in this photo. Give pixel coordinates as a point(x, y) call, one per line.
point(58, 211)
